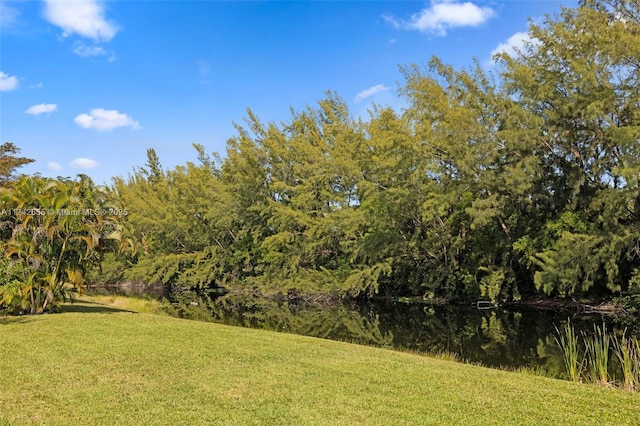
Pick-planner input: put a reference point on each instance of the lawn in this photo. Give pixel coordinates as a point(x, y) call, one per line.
point(98, 364)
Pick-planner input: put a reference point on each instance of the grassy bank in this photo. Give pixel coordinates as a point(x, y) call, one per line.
point(98, 364)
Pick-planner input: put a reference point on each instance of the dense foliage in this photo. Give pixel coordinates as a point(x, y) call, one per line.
point(522, 182)
point(9, 162)
point(54, 232)
point(478, 188)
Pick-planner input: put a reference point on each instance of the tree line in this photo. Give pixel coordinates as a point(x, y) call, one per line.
point(500, 185)
point(54, 232)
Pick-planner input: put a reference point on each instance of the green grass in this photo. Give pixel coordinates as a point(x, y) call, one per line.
point(568, 343)
point(102, 365)
point(598, 354)
point(628, 352)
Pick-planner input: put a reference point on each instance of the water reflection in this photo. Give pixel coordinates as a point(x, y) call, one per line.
point(132, 289)
point(493, 337)
point(345, 322)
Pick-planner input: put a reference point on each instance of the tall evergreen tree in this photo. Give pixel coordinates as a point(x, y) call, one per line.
point(9, 162)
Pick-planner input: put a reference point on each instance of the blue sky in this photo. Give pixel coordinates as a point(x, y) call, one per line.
point(88, 86)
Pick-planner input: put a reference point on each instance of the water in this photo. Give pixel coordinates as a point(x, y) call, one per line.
point(133, 289)
point(511, 338)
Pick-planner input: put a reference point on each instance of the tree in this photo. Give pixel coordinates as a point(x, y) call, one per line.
point(59, 230)
point(496, 186)
point(581, 77)
point(9, 162)
point(184, 224)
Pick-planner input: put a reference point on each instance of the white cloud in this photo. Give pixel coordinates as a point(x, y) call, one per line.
point(102, 119)
point(83, 17)
point(54, 166)
point(397, 24)
point(442, 15)
point(41, 109)
point(85, 51)
point(367, 93)
point(84, 163)
point(36, 86)
point(8, 82)
point(515, 43)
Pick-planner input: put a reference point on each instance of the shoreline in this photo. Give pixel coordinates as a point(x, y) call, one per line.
point(609, 307)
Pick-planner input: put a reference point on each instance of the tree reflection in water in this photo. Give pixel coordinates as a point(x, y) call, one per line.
point(494, 338)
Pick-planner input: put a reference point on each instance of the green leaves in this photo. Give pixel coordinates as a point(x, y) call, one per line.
point(496, 186)
point(59, 230)
point(9, 162)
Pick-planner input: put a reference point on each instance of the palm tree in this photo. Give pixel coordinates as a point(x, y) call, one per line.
point(60, 229)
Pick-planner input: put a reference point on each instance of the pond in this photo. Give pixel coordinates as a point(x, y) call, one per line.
point(511, 338)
